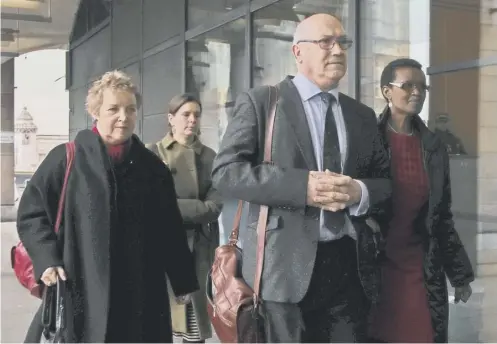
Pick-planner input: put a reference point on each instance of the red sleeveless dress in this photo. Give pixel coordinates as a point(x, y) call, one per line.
point(402, 315)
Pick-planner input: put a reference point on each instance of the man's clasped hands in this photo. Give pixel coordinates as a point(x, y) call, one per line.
point(332, 191)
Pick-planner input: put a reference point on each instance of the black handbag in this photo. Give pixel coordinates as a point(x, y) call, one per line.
point(53, 316)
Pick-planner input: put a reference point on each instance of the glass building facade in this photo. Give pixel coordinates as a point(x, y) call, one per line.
point(218, 48)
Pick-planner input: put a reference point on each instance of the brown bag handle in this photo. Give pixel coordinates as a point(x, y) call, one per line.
point(264, 209)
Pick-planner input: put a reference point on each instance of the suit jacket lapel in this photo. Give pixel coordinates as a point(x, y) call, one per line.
point(291, 108)
point(353, 124)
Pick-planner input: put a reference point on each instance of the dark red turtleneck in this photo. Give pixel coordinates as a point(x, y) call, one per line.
point(116, 152)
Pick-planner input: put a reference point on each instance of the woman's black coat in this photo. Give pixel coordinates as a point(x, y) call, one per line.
point(121, 234)
point(444, 252)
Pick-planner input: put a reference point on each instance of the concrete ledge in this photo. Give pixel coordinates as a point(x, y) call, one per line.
point(487, 270)
point(488, 256)
point(8, 213)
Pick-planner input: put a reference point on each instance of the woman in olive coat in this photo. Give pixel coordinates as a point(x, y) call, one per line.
point(191, 163)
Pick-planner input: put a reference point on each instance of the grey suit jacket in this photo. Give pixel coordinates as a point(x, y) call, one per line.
point(293, 227)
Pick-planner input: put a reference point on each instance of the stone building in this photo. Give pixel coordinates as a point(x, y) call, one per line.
point(30, 147)
point(25, 143)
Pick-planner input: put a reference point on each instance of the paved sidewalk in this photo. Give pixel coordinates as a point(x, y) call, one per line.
point(472, 322)
point(18, 307)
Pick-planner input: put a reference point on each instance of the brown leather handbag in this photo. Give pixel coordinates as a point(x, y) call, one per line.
point(234, 308)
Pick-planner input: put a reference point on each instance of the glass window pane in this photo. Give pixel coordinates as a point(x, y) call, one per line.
point(126, 31)
point(162, 20)
point(201, 10)
point(274, 27)
point(468, 103)
point(456, 42)
point(162, 80)
point(384, 37)
point(437, 33)
point(216, 72)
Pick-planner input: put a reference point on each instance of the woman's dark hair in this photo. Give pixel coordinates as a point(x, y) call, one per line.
point(178, 101)
point(388, 74)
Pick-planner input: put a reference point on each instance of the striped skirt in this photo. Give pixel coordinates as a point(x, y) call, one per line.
point(193, 333)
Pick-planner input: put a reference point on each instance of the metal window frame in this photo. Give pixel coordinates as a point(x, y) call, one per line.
point(249, 51)
point(246, 11)
point(353, 57)
point(463, 65)
point(92, 32)
point(216, 22)
point(184, 53)
point(140, 65)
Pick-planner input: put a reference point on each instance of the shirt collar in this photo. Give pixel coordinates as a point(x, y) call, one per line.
point(307, 89)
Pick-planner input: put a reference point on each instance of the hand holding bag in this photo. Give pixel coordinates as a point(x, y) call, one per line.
point(53, 316)
point(234, 308)
point(19, 257)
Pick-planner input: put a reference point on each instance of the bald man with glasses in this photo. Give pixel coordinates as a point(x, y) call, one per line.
point(328, 180)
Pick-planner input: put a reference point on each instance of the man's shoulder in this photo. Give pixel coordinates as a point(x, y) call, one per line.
point(258, 93)
point(360, 108)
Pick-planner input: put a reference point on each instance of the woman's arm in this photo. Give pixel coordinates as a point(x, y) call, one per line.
point(456, 261)
point(194, 210)
point(38, 209)
point(180, 266)
point(198, 211)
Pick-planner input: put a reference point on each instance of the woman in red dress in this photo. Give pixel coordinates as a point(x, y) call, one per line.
point(422, 246)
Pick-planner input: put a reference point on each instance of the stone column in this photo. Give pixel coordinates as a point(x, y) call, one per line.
point(8, 211)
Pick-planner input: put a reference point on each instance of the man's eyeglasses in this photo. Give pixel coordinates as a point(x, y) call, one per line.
point(329, 42)
point(410, 86)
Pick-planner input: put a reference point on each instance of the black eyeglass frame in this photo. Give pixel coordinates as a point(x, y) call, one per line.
point(327, 43)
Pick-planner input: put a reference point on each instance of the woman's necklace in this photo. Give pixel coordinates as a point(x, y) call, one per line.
point(395, 131)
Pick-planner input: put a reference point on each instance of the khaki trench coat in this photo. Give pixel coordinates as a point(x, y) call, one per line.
point(200, 205)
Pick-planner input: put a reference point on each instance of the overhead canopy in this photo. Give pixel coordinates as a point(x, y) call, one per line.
point(29, 25)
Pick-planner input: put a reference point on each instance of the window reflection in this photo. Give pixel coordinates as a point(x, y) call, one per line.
point(273, 34)
point(201, 10)
point(215, 72)
point(456, 22)
point(437, 33)
point(464, 101)
point(385, 36)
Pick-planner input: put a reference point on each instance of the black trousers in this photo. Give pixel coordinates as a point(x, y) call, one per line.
point(334, 309)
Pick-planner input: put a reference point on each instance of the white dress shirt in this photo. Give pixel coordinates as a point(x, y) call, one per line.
point(315, 110)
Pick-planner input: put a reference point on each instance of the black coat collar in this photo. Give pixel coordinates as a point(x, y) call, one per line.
point(93, 143)
point(430, 141)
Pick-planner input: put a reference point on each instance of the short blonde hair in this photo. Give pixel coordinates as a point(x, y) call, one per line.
point(115, 80)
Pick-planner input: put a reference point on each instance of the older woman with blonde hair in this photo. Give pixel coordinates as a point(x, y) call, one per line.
point(122, 230)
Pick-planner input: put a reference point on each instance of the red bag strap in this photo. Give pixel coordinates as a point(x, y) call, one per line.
point(70, 151)
point(273, 99)
point(264, 209)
